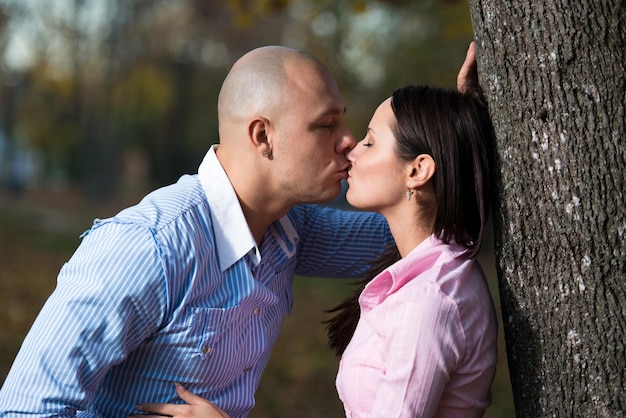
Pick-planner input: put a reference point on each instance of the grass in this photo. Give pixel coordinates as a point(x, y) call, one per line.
point(38, 233)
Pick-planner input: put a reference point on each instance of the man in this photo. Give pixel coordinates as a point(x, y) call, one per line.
point(192, 284)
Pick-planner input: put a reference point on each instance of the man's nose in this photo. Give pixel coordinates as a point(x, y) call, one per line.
point(346, 142)
point(350, 154)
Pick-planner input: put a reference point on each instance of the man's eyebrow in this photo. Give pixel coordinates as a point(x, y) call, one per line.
point(334, 111)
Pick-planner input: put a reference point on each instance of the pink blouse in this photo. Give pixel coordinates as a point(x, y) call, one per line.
point(425, 344)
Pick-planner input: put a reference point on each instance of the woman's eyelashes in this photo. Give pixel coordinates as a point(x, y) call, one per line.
point(367, 139)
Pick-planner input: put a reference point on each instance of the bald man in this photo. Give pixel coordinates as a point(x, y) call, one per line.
point(192, 284)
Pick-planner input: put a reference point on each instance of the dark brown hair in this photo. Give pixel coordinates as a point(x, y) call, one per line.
point(455, 130)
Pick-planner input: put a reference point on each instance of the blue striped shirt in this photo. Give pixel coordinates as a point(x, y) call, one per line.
point(175, 289)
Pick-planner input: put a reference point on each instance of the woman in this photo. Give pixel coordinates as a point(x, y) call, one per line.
point(425, 341)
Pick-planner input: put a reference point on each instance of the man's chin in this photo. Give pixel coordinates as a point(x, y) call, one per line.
point(321, 200)
point(325, 197)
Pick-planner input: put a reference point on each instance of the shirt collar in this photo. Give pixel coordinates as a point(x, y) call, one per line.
point(232, 234)
point(422, 258)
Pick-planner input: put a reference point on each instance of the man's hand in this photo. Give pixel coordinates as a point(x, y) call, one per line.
point(196, 407)
point(468, 74)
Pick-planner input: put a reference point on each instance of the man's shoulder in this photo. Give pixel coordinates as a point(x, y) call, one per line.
point(168, 204)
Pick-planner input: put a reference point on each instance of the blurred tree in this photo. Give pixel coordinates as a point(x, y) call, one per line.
point(9, 92)
point(97, 66)
point(554, 77)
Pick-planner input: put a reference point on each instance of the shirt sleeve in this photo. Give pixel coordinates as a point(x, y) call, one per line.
point(109, 297)
point(424, 344)
point(338, 243)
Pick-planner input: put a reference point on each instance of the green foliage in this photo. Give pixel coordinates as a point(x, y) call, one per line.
point(142, 98)
point(46, 116)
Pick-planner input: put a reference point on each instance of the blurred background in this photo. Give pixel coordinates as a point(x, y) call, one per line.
point(102, 101)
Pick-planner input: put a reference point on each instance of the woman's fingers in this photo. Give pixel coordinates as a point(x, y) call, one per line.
point(189, 397)
point(158, 408)
point(195, 407)
point(468, 72)
point(146, 416)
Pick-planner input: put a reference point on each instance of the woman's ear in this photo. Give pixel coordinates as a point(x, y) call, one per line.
point(420, 170)
point(258, 134)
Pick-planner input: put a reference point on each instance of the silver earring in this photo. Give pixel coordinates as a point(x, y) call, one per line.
point(265, 154)
point(409, 193)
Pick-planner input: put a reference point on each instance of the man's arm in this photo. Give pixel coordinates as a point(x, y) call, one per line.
point(102, 308)
point(337, 243)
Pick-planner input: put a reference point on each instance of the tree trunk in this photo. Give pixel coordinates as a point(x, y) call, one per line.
point(554, 75)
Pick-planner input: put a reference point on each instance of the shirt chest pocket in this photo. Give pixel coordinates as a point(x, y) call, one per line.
point(231, 339)
point(210, 345)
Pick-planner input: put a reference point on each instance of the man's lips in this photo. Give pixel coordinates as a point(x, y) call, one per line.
point(345, 171)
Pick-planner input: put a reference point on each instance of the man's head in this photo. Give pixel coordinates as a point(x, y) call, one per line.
point(282, 126)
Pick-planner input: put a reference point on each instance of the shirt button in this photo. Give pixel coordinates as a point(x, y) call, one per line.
point(206, 349)
point(256, 311)
point(247, 369)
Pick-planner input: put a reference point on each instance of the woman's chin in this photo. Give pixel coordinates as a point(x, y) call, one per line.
point(352, 201)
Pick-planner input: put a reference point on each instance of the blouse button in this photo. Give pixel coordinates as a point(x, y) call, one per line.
point(206, 349)
point(256, 311)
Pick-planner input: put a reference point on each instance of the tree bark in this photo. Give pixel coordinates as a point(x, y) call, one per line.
point(554, 76)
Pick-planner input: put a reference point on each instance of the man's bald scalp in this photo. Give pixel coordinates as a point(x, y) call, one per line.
point(255, 84)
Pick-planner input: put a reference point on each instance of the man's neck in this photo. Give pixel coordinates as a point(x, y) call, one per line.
point(258, 204)
point(259, 220)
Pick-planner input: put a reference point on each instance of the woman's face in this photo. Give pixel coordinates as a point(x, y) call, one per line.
point(376, 179)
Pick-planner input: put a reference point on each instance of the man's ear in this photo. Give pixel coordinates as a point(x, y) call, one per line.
point(258, 134)
point(420, 171)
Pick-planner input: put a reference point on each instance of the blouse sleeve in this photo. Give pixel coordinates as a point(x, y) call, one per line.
point(424, 343)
